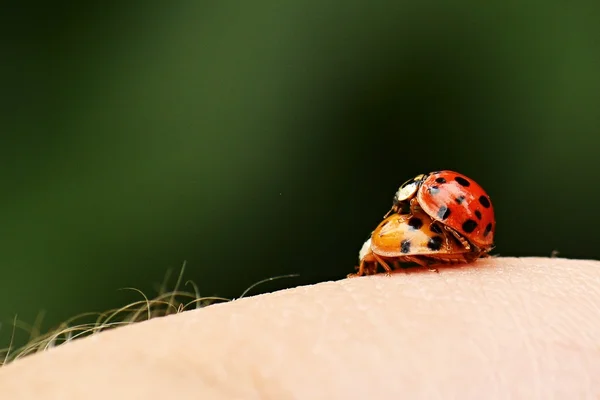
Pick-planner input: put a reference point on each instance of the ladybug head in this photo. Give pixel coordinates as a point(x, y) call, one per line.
point(408, 190)
point(364, 250)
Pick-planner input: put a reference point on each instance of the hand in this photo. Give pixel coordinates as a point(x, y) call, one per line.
point(501, 328)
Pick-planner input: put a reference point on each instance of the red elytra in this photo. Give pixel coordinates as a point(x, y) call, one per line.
point(457, 202)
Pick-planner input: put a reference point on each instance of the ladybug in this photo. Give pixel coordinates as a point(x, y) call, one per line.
point(410, 238)
point(457, 202)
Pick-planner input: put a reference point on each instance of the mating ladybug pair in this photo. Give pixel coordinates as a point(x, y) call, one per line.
point(440, 217)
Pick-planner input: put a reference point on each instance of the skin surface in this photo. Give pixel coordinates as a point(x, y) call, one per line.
point(520, 328)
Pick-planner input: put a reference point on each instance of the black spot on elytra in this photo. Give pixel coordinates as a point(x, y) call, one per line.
point(443, 212)
point(440, 180)
point(484, 201)
point(488, 229)
point(469, 225)
point(405, 246)
point(459, 199)
point(433, 190)
point(435, 243)
point(415, 222)
point(478, 214)
point(435, 228)
point(462, 181)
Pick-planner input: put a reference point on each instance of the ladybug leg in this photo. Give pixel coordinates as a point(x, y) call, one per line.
point(361, 270)
point(397, 208)
point(371, 268)
point(415, 207)
point(417, 260)
point(367, 266)
point(461, 239)
point(422, 263)
point(383, 264)
point(388, 213)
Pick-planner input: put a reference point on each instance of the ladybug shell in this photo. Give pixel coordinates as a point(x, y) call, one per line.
point(411, 234)
point(461, 204)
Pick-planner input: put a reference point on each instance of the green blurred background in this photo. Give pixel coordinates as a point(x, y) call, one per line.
point(255, 139)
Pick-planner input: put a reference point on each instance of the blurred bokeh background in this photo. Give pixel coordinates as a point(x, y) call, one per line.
point(256, 139)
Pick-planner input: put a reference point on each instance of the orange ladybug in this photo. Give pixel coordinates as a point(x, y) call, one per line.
point(406, 238)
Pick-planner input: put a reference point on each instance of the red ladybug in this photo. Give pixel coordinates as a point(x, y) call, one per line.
point(456, 202)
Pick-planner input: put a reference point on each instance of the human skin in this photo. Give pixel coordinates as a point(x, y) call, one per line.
point(520, 328)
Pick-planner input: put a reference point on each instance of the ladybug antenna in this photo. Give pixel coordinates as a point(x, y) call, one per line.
point(388, 213)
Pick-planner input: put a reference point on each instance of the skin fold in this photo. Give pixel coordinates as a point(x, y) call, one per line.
point(520, 328)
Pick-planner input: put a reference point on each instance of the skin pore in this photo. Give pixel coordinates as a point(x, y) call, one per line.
point(500, 328)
